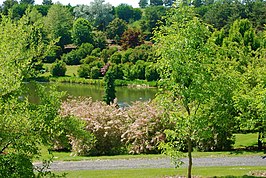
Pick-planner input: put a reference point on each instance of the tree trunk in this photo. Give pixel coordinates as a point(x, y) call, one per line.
point(259, 141)
point(189, 158)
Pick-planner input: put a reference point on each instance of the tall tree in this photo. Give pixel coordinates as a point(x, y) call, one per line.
point(100, 14)
point(143, 3)
point(82, 32)
point(27, 2)
point(7, 4)
point(125, 12)
point(58, 24)
point(195, 82)
point(47, 2)
point(156, 2)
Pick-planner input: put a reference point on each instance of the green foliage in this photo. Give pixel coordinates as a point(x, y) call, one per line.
point(156, 2)
point(99, 40)
point(82, 32)
point(58, 69)
point(91, 70)
point(143, 3)
point(74, 57)
point(116, 58)
point(109, 87)
point(58, 23)
point(124, 12)
point(151, 17)
point(115, 29)
point(16, 165)
point(151, 73)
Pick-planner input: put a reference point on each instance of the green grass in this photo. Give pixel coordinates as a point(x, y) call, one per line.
point(163, 172)
point(245, 140)
point(242, 140)
point(72, 71)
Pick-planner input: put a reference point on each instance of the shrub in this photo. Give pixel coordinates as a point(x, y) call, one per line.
point(151, 73)
point(84, 70)
point(74, 57)
point(116, 58)
point(99, 40)
point(106, 122)
point(58, 69)
point(139, 128)
point(131, 38)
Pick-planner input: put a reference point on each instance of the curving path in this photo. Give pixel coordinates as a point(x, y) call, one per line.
point(155, 163)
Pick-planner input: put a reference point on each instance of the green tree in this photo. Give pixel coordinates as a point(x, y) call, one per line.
point(194, 83)
point(151, 18)
point(109, 84)
point(115, 29)
point(58, 24)
point(27, 2)
point(7, 4)
point(156, 2)
point(143, 3)
point(82, 32)
point(58, 69)
point(47, 2)
point(25, 126)
point(124, 12)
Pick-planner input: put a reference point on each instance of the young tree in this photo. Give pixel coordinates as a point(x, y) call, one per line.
point(82, 32)
point(109, 84)
point(58, 24)
point(195, 82)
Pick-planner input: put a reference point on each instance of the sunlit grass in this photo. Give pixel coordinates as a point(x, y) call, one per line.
point(164, 172)
point(72, 70)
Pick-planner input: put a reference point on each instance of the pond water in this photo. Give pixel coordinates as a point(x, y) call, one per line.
point(125, 95)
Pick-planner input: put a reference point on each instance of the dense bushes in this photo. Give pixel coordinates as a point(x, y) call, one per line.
point(58, 69)
point(137, 129)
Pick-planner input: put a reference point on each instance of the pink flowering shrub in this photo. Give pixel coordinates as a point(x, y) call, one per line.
point(146, 129)
point(106, 122)
point(136, 129)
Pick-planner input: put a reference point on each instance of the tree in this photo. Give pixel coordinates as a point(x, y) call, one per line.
point(7, 5)
point(82, 32)
point(58, 69)
point(124, 12)
point(131, 38)
point(195, 82)
point(156, 2)
point(98, 13)
point(143, 3)
point(109, 84)
point(47, 2)
point(115, 29)
point(25, 126)
point(27, 2)
point(151, 18)
point(58, 23)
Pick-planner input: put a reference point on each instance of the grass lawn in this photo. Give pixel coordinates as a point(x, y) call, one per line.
point(163, 172)
point(71, 70)
point(242, 140)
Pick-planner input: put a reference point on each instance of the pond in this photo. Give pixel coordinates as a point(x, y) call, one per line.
point(125, 95)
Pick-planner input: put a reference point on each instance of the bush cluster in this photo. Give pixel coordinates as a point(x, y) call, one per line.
point(136, 129)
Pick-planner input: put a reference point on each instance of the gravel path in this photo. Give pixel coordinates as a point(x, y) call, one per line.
point(155, 163)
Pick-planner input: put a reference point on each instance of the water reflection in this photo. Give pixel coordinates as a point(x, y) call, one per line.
point(125, 95)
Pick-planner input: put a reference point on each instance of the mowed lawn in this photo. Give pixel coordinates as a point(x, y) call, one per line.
point(169, 172)
point(242, 140)
point(71, 70)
